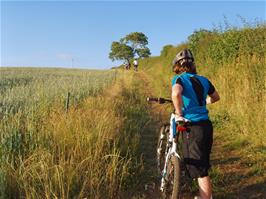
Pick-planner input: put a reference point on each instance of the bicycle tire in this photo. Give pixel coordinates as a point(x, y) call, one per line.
point(172, 188)
point(161, 147)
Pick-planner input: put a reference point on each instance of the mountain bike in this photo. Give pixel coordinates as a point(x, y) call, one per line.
point(175, 180)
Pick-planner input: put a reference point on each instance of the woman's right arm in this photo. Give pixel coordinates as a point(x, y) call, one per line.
point(177, 98)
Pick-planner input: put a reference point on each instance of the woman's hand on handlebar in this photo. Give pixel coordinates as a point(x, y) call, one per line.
point(180, 118)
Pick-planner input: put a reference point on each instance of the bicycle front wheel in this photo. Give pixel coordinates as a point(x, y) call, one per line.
point(172, 188)
point(161, 147)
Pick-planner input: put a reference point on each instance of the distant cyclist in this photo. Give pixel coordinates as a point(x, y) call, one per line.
point(127, 65)
point(190, 94)
point(135, 63)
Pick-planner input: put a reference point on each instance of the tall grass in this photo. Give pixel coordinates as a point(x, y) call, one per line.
point(234, 61)
point(90, 152)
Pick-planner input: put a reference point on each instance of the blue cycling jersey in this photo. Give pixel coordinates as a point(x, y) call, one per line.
point(195, 91)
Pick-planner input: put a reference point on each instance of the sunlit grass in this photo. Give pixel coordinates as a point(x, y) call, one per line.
point(91, 151)
point(234, 61)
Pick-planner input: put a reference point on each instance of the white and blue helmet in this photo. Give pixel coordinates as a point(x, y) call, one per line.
point(183, 56)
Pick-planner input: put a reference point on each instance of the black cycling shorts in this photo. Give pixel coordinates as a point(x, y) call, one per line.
point(196, 148)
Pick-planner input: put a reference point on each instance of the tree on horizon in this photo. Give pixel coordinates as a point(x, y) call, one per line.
point(130, 46)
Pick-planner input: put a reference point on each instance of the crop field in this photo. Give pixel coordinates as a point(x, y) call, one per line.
point(45, 151)
point(91, 150)
point(25, 89)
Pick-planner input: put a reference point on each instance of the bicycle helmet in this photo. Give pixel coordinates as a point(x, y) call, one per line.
point(185, 55)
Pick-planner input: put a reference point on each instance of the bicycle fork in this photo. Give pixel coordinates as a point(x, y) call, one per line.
point(159, 149)
point(164, 172)
point(171, 151)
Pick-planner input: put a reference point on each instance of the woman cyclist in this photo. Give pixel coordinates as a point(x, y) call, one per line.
point(190, 94)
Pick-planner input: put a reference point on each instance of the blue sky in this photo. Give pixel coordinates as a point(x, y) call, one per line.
point(62, 33)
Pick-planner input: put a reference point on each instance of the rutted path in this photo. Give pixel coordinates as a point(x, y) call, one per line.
point(148, 142)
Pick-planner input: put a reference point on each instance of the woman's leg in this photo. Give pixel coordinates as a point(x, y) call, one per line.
point(205, 187)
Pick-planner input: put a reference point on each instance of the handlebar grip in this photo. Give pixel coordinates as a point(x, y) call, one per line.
point(168, 100)
point(152, 99)
point(159, 100)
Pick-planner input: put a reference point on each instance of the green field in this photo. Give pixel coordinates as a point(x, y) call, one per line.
point(36, 132)
point(25, 89)
point(90, 151)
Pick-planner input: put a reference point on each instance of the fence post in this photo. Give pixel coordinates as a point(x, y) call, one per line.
point(67, 101)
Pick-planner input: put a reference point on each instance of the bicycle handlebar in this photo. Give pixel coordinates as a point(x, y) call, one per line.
point(159, 100)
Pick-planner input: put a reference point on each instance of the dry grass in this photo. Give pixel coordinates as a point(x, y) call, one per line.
point(89, 152)
point(239, 117)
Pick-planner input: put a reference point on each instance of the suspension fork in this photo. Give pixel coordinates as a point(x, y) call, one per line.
point(164, 172)
point(171, 150)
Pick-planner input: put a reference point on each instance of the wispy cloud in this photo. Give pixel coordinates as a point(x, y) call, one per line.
point(64, 56)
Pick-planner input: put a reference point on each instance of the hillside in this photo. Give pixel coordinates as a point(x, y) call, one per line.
point(234, 60)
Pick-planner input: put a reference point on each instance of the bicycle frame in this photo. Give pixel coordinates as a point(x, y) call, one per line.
point(172, 143)
point(171, 148)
